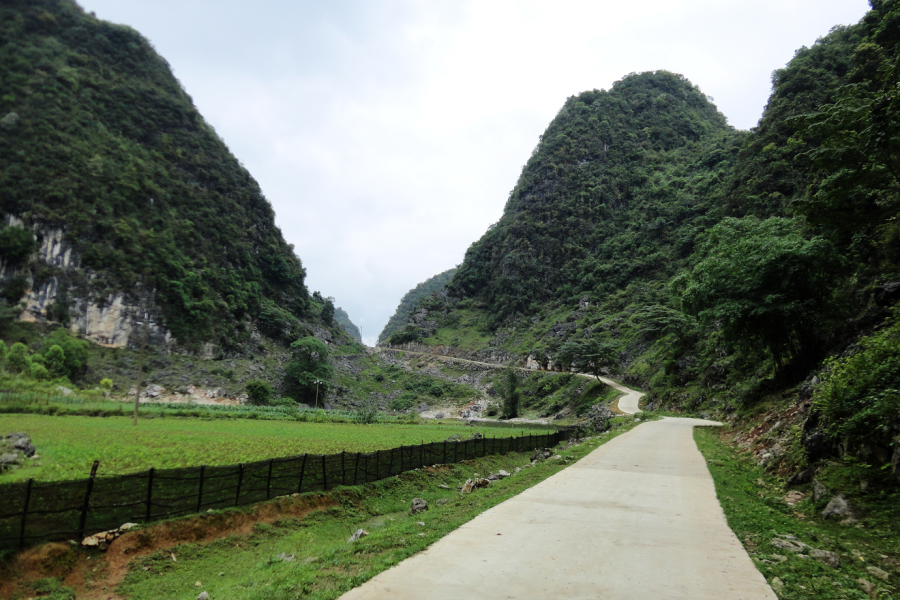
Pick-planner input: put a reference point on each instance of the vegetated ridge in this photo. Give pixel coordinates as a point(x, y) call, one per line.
point(411, 299)
point(343, 319)
point(128, 193)
point(717, 269)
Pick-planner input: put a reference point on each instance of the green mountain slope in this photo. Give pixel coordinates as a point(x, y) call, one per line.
point(100, 141)
point(712, 267)
point(411, 299)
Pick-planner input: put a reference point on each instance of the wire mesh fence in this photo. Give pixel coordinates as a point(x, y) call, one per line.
point(33, 511)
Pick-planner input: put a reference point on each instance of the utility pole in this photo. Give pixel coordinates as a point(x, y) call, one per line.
point(137, 393)
point(317, 382)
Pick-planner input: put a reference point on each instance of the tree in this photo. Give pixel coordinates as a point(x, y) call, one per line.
point(75, 352)
point(259, 392)
point(17, 359)
point(764, 284)
point(590, 355)
point(308, 365)
point(508, 388)
point(328, 311)
point(55, 361)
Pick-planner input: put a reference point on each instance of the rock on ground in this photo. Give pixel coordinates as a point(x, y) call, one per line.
point(418, 505)
point(838, 507)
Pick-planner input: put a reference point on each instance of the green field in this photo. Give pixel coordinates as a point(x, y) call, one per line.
point(67, 446)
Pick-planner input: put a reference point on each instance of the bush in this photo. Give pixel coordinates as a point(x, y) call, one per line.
point(39, 371)
point(17, 359)
point(259, 392)
point(106, 384)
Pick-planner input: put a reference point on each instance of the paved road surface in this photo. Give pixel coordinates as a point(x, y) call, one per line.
point(637, 518)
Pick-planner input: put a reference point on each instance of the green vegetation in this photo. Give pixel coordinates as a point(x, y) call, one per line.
point(259, 392)
point(99, 139)
point(410, 300)
point(308, 374)
point(756, 510)
point(860, 397)
point(68, 445)
point(717, 268)
point(325, 565)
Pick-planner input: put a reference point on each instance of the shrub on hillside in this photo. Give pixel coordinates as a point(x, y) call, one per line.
point(259, 392)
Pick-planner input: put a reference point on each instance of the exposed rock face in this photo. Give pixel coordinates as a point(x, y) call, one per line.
point(109, 320)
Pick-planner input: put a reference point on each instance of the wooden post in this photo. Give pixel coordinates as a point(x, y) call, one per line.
point(200, 490)
point(302, 468)
point(237, 496)
point(269, 480)
point(149, 492)
point(356, 468)
point(25, 514)
point(343, 468)
point(377, 452)
point(324, 474)
point(391, 462)
point(87, 499)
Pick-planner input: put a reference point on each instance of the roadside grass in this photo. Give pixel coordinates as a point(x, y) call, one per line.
point(325, 565)
point(755, 506)
point(67, 446)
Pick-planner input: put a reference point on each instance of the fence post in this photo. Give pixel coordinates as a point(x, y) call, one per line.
point(422, 454)
point(445, 453)
point(366, 468)
point(343, 468)
point(87, 498)
point(455, 450)
point(149, 492)
point(25, 514)
point(391, 462)
point(302, 468)
point(377, 466)
point(200, 491)
point(237, 496)
point(324, 475)
point(356, 468)
point(269, 480)
point(484, 445)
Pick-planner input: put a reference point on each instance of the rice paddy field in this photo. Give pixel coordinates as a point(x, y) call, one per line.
point(68, 445)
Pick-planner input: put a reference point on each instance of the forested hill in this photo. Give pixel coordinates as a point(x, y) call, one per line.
point(101, 142)
point(714, 268)
point(411, 299)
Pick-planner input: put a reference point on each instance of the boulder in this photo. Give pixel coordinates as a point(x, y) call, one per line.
point(825, 557)
point(819, 490)
point(418, 505)
point(804, 476)
point(476, 436)
point(502, 473)
point(876, 572)
point(599, 417)
point(203, 596)
point(541, 454)
point(8, 459)
point(868, 587)
point(838, 507)
point(473, 484)
point(493, 477)
point(25, 446)
point(790, 546)
point(358, 534)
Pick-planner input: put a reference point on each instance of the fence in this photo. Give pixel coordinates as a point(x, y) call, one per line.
point(32, 511)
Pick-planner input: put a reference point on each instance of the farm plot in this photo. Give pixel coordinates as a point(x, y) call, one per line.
point(67, 446)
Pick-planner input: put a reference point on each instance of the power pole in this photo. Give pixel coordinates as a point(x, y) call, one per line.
point(137, 393)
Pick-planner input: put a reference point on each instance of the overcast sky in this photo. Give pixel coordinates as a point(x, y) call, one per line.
point(388, 134)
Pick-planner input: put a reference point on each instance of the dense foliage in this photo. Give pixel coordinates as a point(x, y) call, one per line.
point(309, 373)
point(411, 299)
point(714, 267)
point(98, 139)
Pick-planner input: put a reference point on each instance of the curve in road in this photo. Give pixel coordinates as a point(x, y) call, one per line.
point(637, 518)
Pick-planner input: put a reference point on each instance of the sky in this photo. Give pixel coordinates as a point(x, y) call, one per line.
point(388, 134)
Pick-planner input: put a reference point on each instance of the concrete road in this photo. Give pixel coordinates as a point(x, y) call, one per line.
point(637, 518)
point(628, 403)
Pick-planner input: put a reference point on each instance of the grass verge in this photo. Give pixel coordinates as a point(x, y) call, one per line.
point(757, 512)
point(246, 565)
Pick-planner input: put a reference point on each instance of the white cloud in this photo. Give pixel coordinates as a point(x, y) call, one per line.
point(388, 135)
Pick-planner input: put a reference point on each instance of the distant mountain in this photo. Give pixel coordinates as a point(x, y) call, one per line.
point(132, 201)
point(411, 299)
point(343, 319)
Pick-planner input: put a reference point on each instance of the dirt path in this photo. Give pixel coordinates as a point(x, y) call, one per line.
point(628, 403)
point(637, 518)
